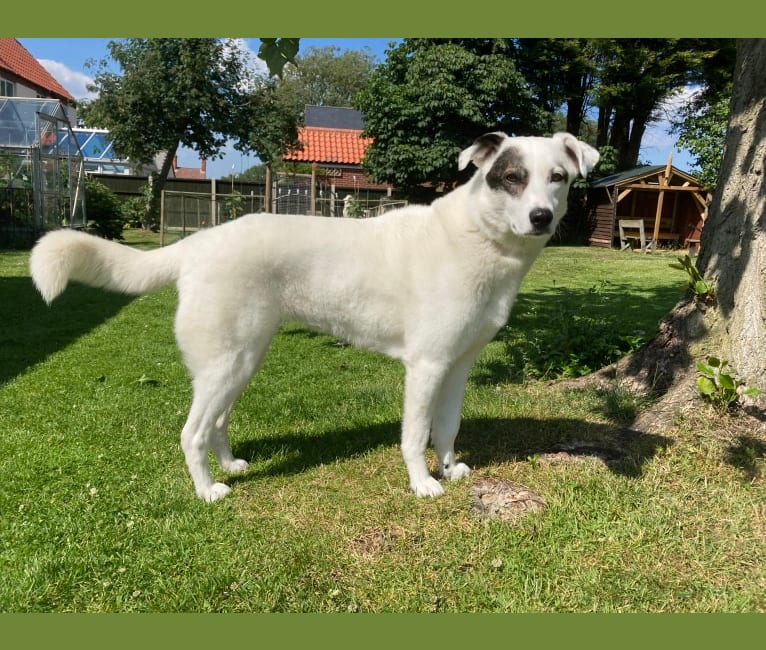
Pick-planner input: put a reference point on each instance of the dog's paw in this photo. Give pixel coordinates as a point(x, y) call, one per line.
point(236, 466)
point(215, 492)
point(456, 472)
point(429, 487)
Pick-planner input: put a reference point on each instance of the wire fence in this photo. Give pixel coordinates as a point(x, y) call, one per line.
point(184, 213)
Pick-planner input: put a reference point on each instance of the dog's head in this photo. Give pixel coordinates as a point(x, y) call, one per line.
point(522, 182)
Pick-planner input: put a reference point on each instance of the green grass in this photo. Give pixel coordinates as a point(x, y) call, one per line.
point(97, 513)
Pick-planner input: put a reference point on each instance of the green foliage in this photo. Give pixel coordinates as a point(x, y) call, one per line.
point(104, 210)
point(191, 92)
point(701, 129)
point(635, 75)
point(325, 77)
point(719, 386)
point(135, 211)
point(233, 204)
point(433, 97)
point(581, 335)
point(278, 52)
point(354, 209)
point(701, 288)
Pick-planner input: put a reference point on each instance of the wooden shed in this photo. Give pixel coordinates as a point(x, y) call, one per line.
point(647, 206)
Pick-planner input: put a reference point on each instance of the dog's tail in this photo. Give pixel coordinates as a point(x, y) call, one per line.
point(64, 255)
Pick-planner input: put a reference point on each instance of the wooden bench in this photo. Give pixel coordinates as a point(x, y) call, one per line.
point(636, 229)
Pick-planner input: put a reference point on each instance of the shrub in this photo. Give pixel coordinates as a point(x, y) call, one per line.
point(105, 217)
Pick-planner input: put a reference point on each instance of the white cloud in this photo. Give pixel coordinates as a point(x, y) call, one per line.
point(75, 82)
point(658, 141)
point(255, 66)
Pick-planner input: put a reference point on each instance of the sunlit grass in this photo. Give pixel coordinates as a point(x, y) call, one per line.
point(97, 513)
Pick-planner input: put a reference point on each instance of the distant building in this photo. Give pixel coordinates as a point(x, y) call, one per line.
point(41, 166)
point(332, 139)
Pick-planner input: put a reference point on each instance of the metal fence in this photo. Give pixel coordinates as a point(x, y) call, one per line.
point(183, 213)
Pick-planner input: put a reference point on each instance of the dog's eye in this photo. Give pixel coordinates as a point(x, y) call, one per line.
point(512, 178)
point(556, 177)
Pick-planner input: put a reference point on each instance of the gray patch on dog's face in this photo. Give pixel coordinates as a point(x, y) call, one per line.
point(508, 173)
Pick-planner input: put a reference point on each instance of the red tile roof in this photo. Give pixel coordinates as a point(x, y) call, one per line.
point(18, 61)
point(325, 145)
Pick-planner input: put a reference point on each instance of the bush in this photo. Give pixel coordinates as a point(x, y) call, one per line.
point(105, 217)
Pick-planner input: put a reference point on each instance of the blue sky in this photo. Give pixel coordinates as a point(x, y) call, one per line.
point(66, 59)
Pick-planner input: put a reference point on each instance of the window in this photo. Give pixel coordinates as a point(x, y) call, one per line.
point(6, 88)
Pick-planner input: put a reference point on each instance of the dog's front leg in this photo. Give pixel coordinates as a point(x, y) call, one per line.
point(422, 384)
point(446, 422)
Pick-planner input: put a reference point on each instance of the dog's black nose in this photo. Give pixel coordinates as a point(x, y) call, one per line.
point(541, 218)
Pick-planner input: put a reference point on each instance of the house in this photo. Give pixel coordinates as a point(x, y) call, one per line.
point(649, 205)
point(332, 139)
point(21, 75)
point(194, 173)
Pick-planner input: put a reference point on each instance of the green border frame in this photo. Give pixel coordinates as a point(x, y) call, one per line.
point(386, 19)
point(338, 631)
point(389, 19)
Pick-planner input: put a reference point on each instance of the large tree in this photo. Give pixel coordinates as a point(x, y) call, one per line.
point(431, 98)
point(635, 77)
point(730, 323)
point(562, 73)
point(325, 76)
point(169, 92)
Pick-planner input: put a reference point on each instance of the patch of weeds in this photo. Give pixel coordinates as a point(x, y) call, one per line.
point(619, 404)
point(699, 286)
point(579, 334)
point(719, 386)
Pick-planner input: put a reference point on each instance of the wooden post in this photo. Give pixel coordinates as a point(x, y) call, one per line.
point(162, 218)
point(267, 191)
point(212, 202)
point(313, 189)
point(664, 180)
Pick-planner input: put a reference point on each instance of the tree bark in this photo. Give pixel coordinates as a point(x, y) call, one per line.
point(732, 255)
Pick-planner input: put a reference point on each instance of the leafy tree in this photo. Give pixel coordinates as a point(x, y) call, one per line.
point(701, 125)
point(195, 92)
point(634, 77)
point(562, 74)
point(431, 98)
point(701, 130)
point(325, 77)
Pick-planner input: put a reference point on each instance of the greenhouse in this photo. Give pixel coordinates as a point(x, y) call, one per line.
point(42, 169)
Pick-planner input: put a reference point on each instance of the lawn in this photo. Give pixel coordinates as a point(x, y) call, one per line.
point(98, 513)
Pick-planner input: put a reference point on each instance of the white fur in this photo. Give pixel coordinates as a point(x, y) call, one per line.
point(429, 285)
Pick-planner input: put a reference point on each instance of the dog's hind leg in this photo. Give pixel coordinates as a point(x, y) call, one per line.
point(222, 448)
point(446, 422)
point(217, 386)
point(421, 387)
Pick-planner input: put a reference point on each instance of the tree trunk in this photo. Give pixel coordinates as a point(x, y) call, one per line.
point(153, 206)
point(732, 255)
point(733, 247)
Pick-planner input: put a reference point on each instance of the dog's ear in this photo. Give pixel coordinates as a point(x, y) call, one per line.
point(582, 154)
point(483, 147)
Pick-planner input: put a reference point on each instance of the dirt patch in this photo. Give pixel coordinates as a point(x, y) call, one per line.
point(496, 499)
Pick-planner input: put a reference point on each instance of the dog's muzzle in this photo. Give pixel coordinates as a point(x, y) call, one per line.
point(541, 219)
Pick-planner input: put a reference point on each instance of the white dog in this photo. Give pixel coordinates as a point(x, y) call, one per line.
point(429, 285)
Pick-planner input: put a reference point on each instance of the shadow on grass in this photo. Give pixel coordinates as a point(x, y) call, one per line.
point(481, 443)
point(748, 454)
point(30, 331)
